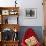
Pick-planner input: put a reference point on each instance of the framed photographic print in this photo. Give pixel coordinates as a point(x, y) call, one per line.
point(13, 12)
point(31, 13)
point(5, 12)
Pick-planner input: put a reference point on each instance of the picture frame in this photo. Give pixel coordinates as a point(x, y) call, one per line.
point(5, 12)
point(31, 13)
point(13, 12)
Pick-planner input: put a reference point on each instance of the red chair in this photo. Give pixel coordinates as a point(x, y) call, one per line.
point(29, 33)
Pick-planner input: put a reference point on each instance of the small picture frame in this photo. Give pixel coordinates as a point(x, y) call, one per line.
point(31, 13)
point(5, 12)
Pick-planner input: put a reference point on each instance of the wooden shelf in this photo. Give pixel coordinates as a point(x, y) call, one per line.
point(5, 8)
point(9, 43)
point(11, 26)
point(4, 13)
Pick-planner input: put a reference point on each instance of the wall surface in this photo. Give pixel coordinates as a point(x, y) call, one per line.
point(7, 3)
point(23, 4)
point(31, 4)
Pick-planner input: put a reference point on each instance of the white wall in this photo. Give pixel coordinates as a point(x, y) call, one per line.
point(23, 4)
point(31, 4)
point(7, 3)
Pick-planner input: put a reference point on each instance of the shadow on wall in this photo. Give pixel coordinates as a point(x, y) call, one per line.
point(37, 29)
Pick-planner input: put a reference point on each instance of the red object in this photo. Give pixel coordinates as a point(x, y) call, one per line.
point(29, 33)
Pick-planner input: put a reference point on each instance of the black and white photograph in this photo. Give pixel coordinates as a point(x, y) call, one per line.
point(31, 12)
